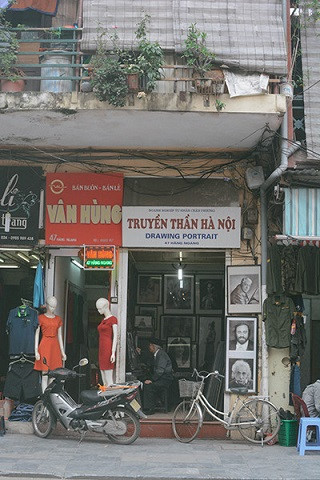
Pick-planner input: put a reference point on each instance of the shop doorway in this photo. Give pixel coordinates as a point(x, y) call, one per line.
point(179, 298)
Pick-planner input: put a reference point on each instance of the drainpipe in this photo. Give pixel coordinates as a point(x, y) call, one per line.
point(286, 151)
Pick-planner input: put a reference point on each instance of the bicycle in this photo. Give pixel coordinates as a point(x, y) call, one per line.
point(257, 419)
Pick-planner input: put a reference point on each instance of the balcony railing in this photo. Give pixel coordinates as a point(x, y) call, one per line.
point(50, 59)
point(49, 55)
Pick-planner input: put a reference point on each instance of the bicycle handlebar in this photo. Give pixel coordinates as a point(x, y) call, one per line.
point(216, 374)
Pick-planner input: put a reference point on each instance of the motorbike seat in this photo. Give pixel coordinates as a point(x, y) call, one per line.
point(94, 396)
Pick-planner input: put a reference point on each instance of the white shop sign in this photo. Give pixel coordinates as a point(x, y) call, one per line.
point(181, 227)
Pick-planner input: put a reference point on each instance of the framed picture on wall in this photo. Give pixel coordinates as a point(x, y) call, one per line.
point(209, 337)
point(143, 322)
point(179, 350)
point(241, 353)
point(174, 325)
point(150, 312)
point(244, 289)
point(209, 294)
point(241, 372)
point(178, 294)
point(149, 289)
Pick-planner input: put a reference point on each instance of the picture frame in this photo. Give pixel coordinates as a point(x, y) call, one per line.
point(242, 335)
point(179, 350)
point(178, 299)
point(241, 367)
point(244, 289)
point(143, 322)
point(151, 312)
point(209, 335)
point(149, 289)
point(178, 325)
point(209, 294)
point(241, 353)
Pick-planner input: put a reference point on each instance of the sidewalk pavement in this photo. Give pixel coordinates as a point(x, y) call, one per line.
point(27, 456)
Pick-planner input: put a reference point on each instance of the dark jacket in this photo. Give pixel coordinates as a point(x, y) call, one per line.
point(162, 368)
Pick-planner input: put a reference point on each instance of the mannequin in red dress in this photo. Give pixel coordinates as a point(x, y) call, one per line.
point(108, 336)
point(51, 345)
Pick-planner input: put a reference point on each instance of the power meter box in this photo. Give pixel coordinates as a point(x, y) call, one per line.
point(254, 177)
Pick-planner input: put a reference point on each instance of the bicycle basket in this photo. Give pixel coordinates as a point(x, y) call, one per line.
point(188, 388)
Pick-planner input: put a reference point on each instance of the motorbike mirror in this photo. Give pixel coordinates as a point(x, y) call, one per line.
point(83, 362)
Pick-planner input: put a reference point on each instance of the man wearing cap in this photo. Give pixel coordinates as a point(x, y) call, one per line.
point(161, 378)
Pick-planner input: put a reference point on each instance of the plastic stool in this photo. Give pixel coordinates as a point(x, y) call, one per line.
point(302, 444)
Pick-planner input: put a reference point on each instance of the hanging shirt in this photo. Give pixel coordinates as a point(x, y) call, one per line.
point(21, 326)
point(278, 312)
point(307, 270)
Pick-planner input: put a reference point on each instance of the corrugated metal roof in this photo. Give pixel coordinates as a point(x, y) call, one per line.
point(242, 33)
point(302, 212)
point(310, 44)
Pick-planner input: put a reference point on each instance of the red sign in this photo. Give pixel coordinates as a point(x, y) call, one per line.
point(96, 258)
point(84, 208)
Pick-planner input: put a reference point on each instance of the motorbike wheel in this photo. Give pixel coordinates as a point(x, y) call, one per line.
point(133, 428)
point(43, 421)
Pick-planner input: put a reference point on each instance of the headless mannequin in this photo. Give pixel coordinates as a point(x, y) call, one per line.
point(51, 305)
point(103, 308)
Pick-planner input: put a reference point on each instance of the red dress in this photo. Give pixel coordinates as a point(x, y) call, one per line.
point(105, 331)
point(49, 345)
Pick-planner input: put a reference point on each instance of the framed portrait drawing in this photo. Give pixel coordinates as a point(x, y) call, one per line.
point(174, 325)
point(241, 372)
point(209, 336)
point(179, 350)
point(244, 289)
point(150, 312)
point(178, 294)
point(149, 289)
point(209, 294)
point(143, 322)
point(241, 353)
point(242, 335)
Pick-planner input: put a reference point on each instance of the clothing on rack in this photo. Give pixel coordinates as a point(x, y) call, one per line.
point(298, 337)
point(278, 312)
point(295, 383)
point(308, 270)
point(22, 381)
point(289, 256)
point(21, 327)
point(274, 283)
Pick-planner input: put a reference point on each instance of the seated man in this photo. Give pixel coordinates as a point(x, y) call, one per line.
point(161, 378)
point(311, 397)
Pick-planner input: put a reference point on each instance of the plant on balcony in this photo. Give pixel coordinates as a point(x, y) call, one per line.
point(150, 55)
point(196, 52)
point(115, 71)
point(8, 56)
point(109, 80)
point(208, 79)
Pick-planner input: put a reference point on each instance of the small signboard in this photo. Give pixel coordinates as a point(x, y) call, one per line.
point(99, 257)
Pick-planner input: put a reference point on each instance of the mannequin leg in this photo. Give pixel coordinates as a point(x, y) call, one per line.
point(45, 381)
point(107, 377)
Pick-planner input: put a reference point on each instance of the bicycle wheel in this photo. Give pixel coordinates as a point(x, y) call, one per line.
point(126, 423)
point(259, 421)
point(43, 421)
point(187, 421)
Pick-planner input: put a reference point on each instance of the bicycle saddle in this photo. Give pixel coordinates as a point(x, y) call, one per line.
point(239, 390)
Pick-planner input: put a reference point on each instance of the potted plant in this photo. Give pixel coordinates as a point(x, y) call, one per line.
point(13, 81)
point(109, 80)
point(115, 72)
point(202, 60)
point(150, 56)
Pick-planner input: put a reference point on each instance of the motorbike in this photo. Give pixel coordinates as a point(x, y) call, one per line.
point(114, 412)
